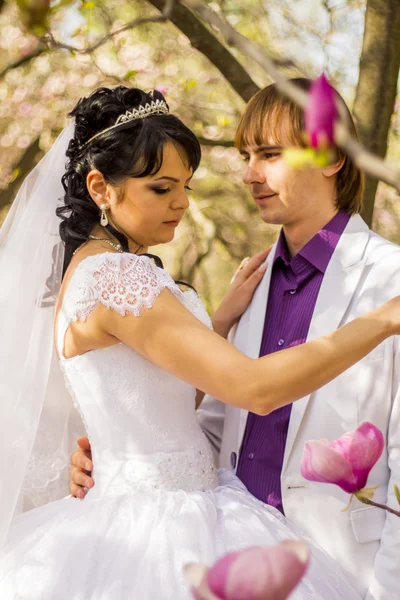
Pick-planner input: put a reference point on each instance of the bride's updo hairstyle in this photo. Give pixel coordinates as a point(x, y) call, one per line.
point(133, 149)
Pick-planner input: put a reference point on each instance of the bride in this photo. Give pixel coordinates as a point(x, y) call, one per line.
point(133, 347)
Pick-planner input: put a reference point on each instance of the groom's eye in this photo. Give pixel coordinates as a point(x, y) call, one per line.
point(269, 155)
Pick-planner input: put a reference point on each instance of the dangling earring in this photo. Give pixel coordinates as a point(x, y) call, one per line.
point(103, 218)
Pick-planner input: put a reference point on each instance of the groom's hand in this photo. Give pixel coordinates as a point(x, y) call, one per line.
point(80, 469)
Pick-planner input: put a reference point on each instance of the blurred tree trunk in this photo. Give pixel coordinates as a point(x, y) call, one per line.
point(22, 168)
point(377, 84)
point(208, 44)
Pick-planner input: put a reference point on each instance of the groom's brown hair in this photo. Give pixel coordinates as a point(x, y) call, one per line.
point(271, 117)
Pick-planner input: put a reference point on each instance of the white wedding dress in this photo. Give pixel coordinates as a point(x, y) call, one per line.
point(158, 501)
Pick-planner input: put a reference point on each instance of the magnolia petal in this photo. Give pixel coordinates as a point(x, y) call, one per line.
point(322, 463)
point(267, 573)
point(342, 444)
point(321, 112)
point(218, 575)
point(364, 451)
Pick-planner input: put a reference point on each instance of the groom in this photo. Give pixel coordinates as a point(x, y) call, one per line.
point(326, 268)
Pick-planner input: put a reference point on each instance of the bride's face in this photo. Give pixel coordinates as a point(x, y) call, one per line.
point(149, 209)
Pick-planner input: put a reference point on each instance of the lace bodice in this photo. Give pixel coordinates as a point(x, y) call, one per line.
point(140, 420)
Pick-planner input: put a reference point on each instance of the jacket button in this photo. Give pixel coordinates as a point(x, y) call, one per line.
point(233, 459)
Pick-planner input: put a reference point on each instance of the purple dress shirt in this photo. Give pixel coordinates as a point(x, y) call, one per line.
point(294, 288)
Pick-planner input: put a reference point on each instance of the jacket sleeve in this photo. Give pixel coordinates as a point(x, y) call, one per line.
point(211, 416)
point(385, 584)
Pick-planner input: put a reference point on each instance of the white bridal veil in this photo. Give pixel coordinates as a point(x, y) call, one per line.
point(35, 409)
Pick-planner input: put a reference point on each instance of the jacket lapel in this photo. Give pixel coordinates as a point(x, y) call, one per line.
point(337, 289)
point(250, 328)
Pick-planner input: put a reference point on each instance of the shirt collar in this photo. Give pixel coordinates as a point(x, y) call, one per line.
point(318, 251)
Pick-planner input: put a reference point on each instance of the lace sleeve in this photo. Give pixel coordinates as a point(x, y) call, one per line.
point(124, 282)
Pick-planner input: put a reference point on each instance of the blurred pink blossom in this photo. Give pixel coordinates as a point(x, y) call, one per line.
point(345, 462)
point(256, 573)
point(161, 88)
point(24, 109)
point(321, 113)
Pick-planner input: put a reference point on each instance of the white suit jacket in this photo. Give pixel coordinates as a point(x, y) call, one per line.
point(363, 273)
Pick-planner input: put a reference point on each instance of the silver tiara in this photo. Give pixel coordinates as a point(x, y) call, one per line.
point(156, 107)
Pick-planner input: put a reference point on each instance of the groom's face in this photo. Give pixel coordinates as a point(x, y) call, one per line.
point(283, 195)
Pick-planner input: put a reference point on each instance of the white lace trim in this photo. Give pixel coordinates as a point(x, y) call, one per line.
point(124, 282)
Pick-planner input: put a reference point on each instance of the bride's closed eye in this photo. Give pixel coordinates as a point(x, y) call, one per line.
point(161, 191)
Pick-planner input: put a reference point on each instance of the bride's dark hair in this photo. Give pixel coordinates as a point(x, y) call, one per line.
point(134, 149)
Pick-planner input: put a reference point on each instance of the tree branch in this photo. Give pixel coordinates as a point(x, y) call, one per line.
point(207, 142)
point(40, 49)
point(168, 6)
point(379, 505)
point(205, 42)
point(199, 35)
point(364, 160)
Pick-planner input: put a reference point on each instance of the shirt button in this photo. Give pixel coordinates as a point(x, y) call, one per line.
point(292, 292)
point(251, 456)
point(281, 342)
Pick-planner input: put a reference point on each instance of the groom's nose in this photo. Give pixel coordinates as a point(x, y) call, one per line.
point(254, 173)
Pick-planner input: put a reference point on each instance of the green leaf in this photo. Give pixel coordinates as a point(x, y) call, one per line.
point(16, 173)
point(130, 74)
point(397, 492)
point(223, 121)
point(298, 158)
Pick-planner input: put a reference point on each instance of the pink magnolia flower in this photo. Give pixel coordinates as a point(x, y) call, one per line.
point(321, 113)
point(345, 462)
point(257, 573)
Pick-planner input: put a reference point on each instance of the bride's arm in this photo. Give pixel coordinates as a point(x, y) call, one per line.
point(172, 338)
point(237, 298)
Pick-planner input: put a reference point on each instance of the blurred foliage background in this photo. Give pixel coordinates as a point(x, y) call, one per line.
point(40, 82)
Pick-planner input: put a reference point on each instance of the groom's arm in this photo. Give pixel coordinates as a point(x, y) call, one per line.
point(385, 581)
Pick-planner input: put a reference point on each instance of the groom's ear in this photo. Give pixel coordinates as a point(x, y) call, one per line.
point(97, 187)
point(333, 168)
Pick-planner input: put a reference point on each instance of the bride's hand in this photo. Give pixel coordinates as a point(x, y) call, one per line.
point(240, 292)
